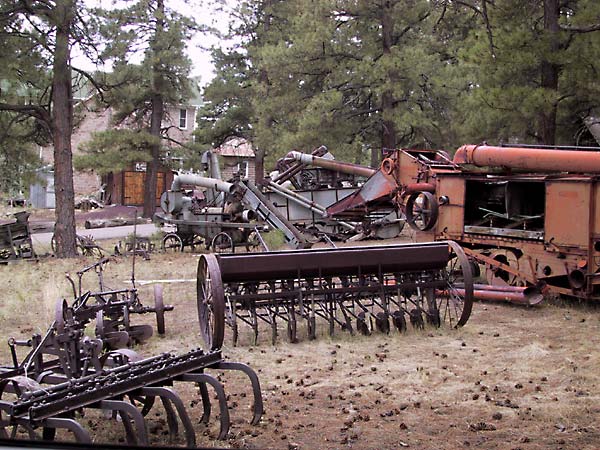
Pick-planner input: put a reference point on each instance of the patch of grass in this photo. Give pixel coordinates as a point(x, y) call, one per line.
point(275, 239)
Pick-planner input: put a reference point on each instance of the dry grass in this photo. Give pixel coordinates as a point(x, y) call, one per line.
point(528, 376)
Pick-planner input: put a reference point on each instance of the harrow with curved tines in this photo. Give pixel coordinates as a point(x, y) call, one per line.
point(67, 371)
point(362, 288)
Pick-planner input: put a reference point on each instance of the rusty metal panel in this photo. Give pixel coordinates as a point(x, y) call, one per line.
point(407, 169)
point(451, 218)
point(567, 213)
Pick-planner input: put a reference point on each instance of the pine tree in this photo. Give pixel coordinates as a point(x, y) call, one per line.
point(35, 45)
point(534, 67)
point(140, 93)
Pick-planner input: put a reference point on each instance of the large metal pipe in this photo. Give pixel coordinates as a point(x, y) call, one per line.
point(534, 159)
point(527, 296)
point(338, 166)
point(197, 180)
point(297, 167)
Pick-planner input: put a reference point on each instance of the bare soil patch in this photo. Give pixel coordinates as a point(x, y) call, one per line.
point(511, 378)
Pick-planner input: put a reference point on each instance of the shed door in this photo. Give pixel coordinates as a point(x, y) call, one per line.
point(134, 182)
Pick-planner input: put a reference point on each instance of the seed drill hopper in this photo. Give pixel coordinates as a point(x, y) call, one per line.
point(355, 288)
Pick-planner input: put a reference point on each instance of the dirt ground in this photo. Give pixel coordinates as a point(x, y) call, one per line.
point(511, 378)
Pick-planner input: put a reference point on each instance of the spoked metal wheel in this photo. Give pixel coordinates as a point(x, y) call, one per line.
point(456, 300)
point(211, 302)
point(222, 243)
point(171, 242)
point(422, 211)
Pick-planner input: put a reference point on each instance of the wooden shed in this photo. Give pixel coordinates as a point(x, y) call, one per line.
point(127, 187)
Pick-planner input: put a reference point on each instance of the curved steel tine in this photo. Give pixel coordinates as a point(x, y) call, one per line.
point(257, 407)
point(131, 411)
point(169, 395)
point(205, 402)
point(81, 434)
point(171, 418)
point(129, 431)
point(223, 411)
point(48, 434)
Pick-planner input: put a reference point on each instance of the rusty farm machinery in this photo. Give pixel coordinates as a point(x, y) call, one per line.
point(305, 185)
point(528, 216)
point(356, 288)
point(224, 215)
point(83, 363)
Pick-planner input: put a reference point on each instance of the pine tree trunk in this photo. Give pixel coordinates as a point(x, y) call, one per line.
point(388, 132)
point(153, 165)
point(62, 124)
point(155, 118)
point(263, 78)
point(550, 72)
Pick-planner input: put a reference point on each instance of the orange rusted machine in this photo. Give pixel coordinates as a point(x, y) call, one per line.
point(528, 215)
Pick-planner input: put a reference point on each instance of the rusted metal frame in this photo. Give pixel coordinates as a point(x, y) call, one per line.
point(341, 290)
point(170, 397)
point(257, 405)
point(225, 422)
point(119, 381)
point(245, 318)
point(494, 263)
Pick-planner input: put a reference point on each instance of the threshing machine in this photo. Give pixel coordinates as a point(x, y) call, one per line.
point(529, 215)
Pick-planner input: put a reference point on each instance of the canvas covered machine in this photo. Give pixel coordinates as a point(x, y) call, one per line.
point(529, 215)
point(356, 288)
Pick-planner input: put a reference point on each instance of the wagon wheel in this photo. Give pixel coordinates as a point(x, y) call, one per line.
point(86, 246)
point(222, 243)
point(211, 302)
point(159, 308)
point(456, 301)
point(171, 242)
point(422, 211)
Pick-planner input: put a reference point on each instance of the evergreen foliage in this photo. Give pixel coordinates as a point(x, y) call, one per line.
point(361, 76)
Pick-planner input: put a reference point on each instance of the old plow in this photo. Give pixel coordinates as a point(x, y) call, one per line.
point(356, 288)
point(82, 363)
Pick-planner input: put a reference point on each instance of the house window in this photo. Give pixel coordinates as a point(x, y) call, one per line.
point(183, 119)
point(242, 169)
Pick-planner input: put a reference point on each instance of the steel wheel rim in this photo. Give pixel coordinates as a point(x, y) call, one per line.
point(422, 217)
point(210, 302)
point(456, 302)
point(172, 242)
point(222, 243)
